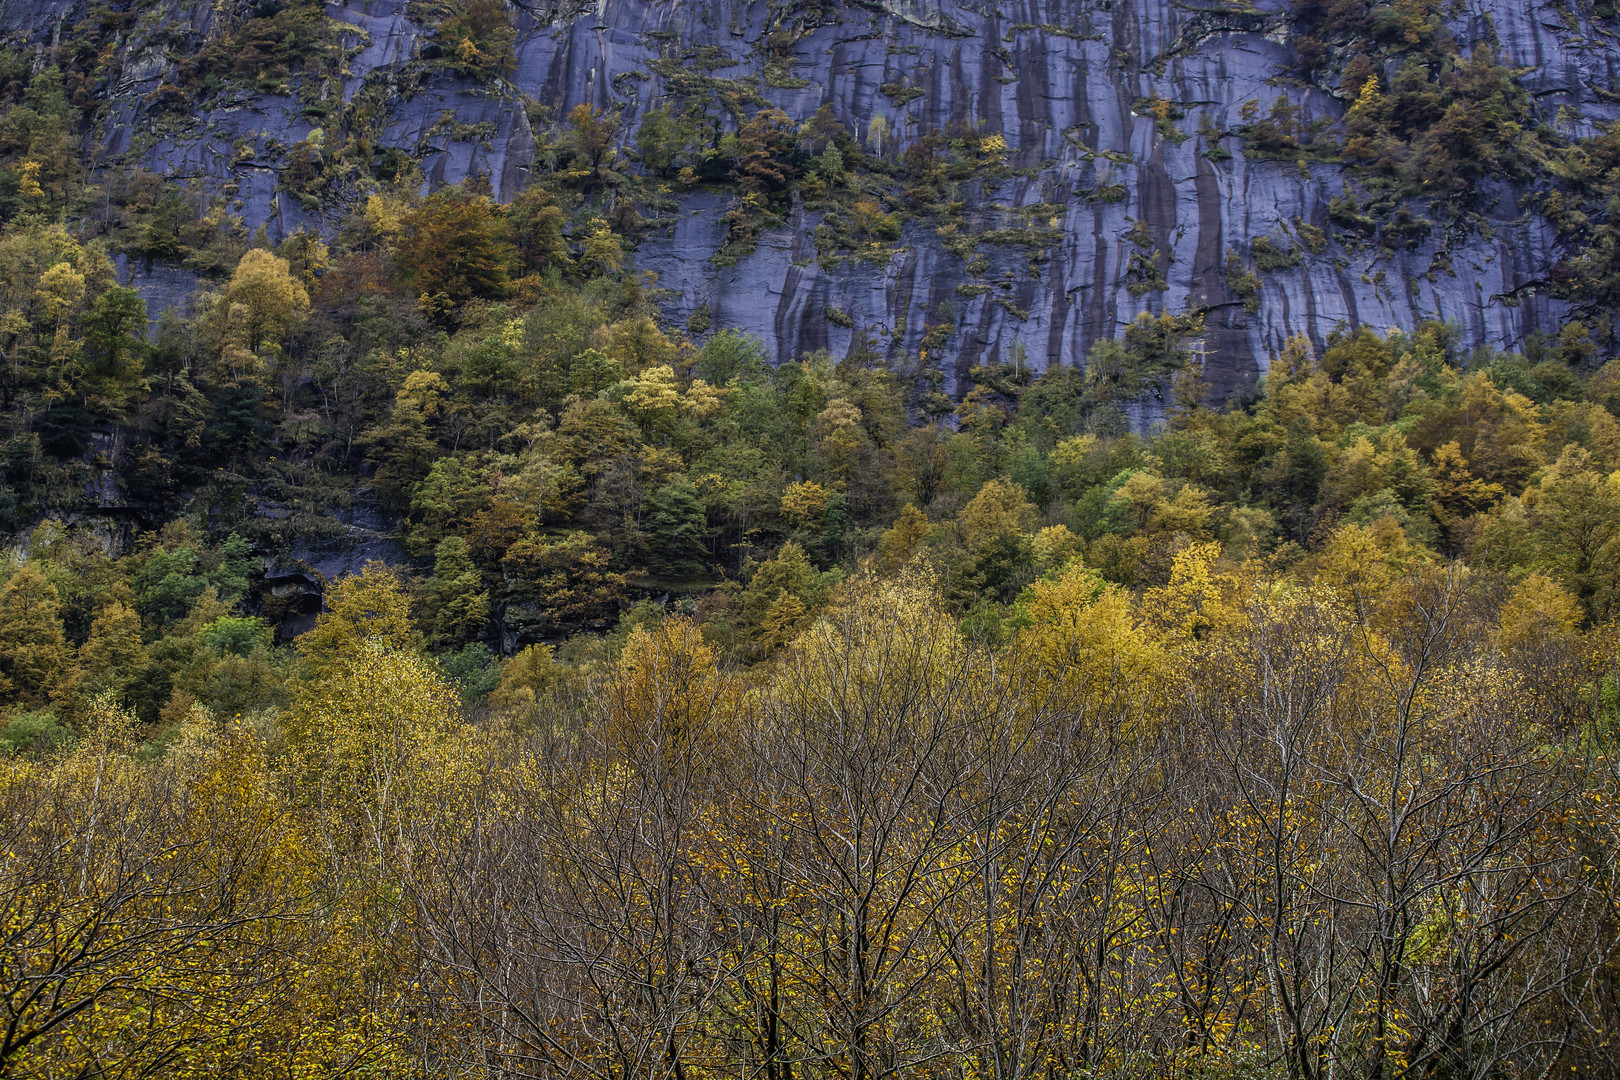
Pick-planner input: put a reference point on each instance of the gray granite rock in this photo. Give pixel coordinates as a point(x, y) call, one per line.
point(1058, 78)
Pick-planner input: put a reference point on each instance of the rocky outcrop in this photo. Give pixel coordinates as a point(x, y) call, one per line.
point(1061, 80)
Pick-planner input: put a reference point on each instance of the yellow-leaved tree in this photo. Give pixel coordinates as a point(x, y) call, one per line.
point(163, 916)
point(373, 606)
point(868, 736)
point(35, 658)
point(1195, 603)
point(370, 741)
point(113, 654)
point(667, 699)
point(263, 300)
point(1082, 648)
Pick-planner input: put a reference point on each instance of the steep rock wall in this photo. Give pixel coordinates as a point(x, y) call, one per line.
point(1060, 80)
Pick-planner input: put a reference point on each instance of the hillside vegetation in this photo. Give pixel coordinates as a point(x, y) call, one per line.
point(833, 718)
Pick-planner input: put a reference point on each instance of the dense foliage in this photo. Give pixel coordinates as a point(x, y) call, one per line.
point(1246, 823)
point(715, 715)
point(842, 729)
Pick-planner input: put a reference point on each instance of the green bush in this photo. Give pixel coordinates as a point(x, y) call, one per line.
point(36, 734)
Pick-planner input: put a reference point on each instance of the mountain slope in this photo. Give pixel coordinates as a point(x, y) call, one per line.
point(1144, 155)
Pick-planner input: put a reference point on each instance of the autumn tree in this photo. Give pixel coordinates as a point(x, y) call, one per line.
point(404, 444)
point(1575, 514)
point(868, 723)
point(262, 299)
point(114, 346)
point(371, 735)
point(562, 583)
point(591, 132)
point(535, 224)
point(35, 658)
point(113, 654)
point(765, 143)
point(782, 595)
point(372, 607)
point(664, 141)
point(617, 904)
point(451, 249)
point(162, 916)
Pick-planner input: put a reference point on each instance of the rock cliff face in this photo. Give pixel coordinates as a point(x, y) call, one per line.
point(1061, 80)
